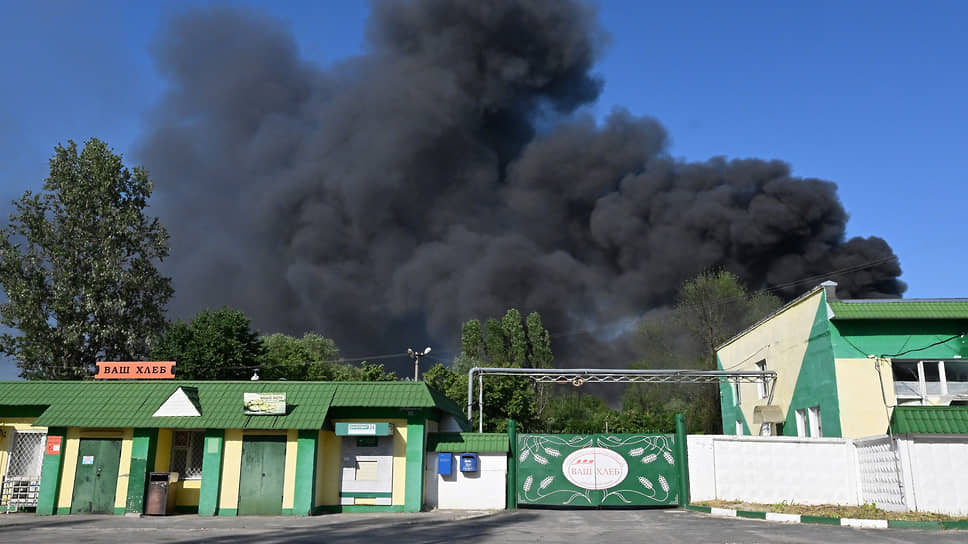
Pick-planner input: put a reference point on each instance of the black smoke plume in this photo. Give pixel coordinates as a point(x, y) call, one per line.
point(450, 173)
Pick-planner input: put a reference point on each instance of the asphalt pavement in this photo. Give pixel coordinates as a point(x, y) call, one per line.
point(519, 526)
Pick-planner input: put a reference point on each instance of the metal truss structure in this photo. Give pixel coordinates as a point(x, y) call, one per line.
point(581, 376)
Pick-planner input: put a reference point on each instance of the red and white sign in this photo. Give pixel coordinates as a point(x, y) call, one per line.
point(595, 468)
point(54, 445)
point(138, 370)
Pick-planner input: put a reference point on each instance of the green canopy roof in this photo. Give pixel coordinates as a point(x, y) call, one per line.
point(133, 403)
point(930, 420)
point(467, 442)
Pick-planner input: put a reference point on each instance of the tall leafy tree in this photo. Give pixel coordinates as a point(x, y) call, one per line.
point(517, 340)
point(710, 309)
point(215, 345)
point(77, 265)
point(313, 357)
point(504, 342)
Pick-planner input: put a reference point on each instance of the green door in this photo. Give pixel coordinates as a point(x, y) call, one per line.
point(96, 476)
point(263, 473)
point(597, 470)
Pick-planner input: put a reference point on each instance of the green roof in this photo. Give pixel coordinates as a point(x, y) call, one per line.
point(467, 442)
point(900, 309)
point(132, 403)
point(930, 420)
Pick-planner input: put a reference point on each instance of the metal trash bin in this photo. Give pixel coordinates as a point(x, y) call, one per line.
point(161, 498)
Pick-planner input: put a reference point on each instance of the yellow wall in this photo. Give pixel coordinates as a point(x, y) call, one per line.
point(289, 483)
point(70, 463)
point(782, 342)
point(330, 475)
point(862, 411)
point(231, 469)
point(9, 425)
point(327, 468)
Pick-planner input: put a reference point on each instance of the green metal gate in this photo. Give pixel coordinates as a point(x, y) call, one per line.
point(597, 470)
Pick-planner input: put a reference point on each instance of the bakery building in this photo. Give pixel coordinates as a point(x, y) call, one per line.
point(218, 447)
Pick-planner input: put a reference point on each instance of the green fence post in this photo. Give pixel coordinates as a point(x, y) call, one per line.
point(512, 464)
point(211, 472)
point(51, 470)
point(144, 442)
point(682, 453)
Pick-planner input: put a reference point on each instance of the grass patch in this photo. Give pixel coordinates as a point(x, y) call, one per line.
point(867, 511)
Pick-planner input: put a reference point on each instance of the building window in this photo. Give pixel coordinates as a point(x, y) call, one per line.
point(761, 367)
point(187, 450)
point(739, 427)
point(801, 422)
point(736, 396)
point(816, 429)
point(917, 381)
point(766, 429)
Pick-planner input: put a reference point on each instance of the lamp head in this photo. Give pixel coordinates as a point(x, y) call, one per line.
point(427, 351)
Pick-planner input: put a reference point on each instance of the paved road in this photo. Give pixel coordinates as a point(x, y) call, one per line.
point(521, 526)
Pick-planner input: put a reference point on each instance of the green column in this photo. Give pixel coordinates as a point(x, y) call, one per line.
point(682, 453)
point(512, 464)
point(416, 444)
point(50, 474)
point(143, 446)
point(211, 472)
point(305, 492)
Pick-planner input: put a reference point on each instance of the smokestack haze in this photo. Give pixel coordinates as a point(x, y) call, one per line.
point(445, 175)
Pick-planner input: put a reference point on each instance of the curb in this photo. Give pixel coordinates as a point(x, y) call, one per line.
point(844, 522)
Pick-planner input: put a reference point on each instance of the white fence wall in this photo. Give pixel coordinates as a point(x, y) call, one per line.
point(485, 489)
point(927, 473)
point(773, 469)
point(936, 473)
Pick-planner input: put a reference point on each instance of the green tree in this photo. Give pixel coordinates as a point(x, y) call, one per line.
point(495, 343)
point(710, 309)
point(507, 342)
point(517, 340)
point(539, 339)
point(472, 340)
point(311, 357)
point(77, 264)
point(215, 345)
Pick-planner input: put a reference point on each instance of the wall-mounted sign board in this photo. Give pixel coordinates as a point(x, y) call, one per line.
point(264, 404)
point(364, 429)
point(136, 370)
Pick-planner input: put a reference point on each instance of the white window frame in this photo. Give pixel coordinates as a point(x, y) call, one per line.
point(801, 416)
point(816, 424)
point(739, 427)
point(761, 385)
point(737, 397)
point(923, 396)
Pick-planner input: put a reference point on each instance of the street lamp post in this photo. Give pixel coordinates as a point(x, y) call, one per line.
point(416, 355)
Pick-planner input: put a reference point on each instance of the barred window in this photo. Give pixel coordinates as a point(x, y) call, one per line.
point(187, 450)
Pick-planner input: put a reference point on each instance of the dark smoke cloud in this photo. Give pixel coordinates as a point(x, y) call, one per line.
point(393, 196)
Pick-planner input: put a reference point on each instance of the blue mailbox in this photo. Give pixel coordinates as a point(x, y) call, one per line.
point(445, 464)
point(468, 462)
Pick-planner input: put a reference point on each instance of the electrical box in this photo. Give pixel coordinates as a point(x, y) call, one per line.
point(445, 462)
point(468, 462)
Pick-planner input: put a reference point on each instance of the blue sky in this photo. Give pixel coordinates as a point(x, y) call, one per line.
point(870, 95)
